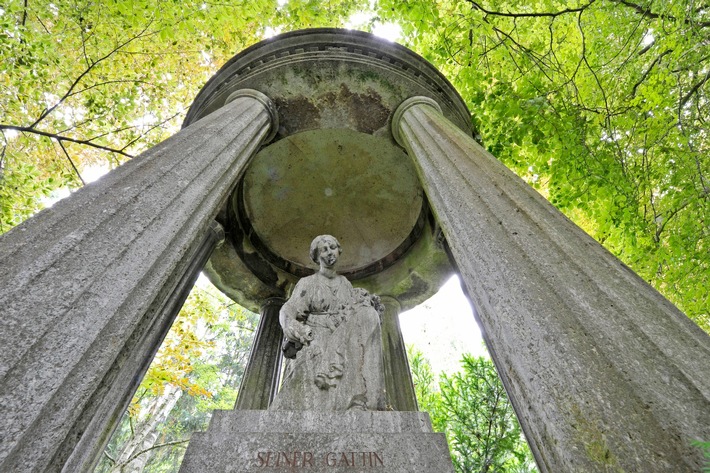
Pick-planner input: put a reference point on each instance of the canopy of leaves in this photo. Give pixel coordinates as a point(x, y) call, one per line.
point(599, 104)
point(96, 82)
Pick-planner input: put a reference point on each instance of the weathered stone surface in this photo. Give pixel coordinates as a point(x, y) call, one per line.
point(226, 423)
point(244, 441)
point(228, 265)
point(604, 373)
point(417, 276)
point(85, 283)
point(96, 425)
point(366, 191)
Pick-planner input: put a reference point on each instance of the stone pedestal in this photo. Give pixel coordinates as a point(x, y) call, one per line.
point(287, 441)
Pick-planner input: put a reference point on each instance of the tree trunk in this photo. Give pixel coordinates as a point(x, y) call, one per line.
point(135, 453)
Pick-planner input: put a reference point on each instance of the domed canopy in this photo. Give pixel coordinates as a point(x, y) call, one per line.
point(332, 167)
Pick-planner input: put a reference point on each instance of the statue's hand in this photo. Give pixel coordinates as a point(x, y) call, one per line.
point(298, 331)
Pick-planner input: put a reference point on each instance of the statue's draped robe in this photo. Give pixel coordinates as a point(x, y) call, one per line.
point(342, 366)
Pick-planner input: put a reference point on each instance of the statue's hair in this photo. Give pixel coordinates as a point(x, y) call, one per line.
point(314, 246)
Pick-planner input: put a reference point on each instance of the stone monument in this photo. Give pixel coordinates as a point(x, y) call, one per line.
point(337, 132)
point(330, 414)
point(333, 341)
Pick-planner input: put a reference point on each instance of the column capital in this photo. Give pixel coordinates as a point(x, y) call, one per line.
point(217, 231)
point(272, 302)
point(390, 300)
point(406, 105)
point(268, 104)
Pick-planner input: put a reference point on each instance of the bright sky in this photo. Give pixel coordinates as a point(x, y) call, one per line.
point(359, 21)
point(443, 328)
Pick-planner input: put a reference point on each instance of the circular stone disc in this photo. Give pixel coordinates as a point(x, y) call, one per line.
point(358, 187)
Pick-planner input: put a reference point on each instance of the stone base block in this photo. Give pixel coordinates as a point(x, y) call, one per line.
point(287, 441)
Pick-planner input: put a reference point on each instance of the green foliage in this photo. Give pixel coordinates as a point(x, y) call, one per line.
point(705, 447)
point(90, 82)
point(472, 409)
point(428, 397)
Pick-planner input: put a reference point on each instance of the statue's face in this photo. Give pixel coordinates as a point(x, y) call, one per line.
point(328, 252)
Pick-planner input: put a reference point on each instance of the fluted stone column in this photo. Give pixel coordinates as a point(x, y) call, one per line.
point(398, 377)
point(261, 376)
point(113, 399)
point(85, 283)
point(604, 373)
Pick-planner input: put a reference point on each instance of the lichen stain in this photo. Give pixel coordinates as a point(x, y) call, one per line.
point(418, 287)
point(594, 442)
point(296, 114)
point(365, 111)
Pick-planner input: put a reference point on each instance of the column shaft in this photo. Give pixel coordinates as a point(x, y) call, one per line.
point(260, 380)
point(398, 377)
point(95, 426)
point(84, 282)
point(604, 373)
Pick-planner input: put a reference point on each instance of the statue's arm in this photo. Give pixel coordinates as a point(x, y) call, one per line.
point(293, 310)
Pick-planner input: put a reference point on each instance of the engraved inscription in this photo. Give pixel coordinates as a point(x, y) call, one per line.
point(298, 459)
point(364, 459)
point(293, 459)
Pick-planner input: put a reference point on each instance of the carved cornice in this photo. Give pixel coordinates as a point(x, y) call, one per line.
point(356, 48)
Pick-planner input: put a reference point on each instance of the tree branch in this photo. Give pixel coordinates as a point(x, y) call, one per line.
point(477, 6)
point(664, 222)
point(24, 14)
point(86, 71)
point(60, 138)
point(160, 445)
point(43, 25)
point(694, 89)
point(644, 76)
point(2, 153)
point(153, 127)
point(111, 459)
point(61, 145)
point(647, 13)
point(83, 45)
point(99, 84)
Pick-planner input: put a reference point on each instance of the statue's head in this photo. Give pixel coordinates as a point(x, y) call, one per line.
point(324, 242)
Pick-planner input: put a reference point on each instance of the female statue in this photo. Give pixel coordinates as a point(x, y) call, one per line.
point(333, 339)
